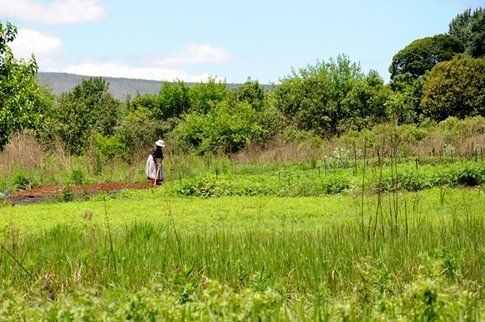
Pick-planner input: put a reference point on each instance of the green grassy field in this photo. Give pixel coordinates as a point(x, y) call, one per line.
point(157, 255)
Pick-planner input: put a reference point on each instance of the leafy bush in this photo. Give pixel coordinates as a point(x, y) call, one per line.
point(67, 194)
point(109, 146)
point(173, 100)
point(455, 88)
point(225, 128)
point(336, 185)
point(22, 181)
point(294, 135)
point(288, 186)
point(468, 176)
point(77, 176)
point(87, 109)
point(313, 97)
point(251, 92)
point(205, 96)
point(139, 129)
point(415, 180)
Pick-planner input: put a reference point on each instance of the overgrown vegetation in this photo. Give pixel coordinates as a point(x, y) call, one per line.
point(328, 196)
point(246, 257)
point(432, 79)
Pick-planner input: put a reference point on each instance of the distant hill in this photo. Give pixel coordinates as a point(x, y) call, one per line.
point(119, 87)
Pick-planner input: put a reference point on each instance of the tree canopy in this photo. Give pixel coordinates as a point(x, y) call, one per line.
point(22, 103)
point(87, 109)
point(422, 54)
point(455, 88)
point(469, 27)
point(312, 97)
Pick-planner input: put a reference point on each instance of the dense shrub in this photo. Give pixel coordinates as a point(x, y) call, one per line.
point(109, 146)
point(225, 128)
point(173, 100)
point(467, 176)
point(77, 176)
point(148, 102)
point(403, 104)
point(288, 185)
point(139, 129)
point(251, 92)
point(455, 88)
point(366, 103)
point(89, 108)
point(21, 182)
point(205, 95)
point(415, 179)
point(313, 97)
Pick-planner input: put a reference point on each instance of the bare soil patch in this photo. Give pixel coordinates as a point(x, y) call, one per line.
point(42, 193)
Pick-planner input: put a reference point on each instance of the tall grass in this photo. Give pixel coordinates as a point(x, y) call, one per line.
point(311, 264)
point(448, 141)
point(285, 251)
point(293, 265)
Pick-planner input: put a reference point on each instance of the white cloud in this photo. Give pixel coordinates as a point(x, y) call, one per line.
point(109, 69)
point(155, 67)
point(29, 41)
point(50, 55)
point(53, 12)
point(195, 54)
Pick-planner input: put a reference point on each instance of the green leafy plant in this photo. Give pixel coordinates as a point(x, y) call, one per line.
point(77, 176)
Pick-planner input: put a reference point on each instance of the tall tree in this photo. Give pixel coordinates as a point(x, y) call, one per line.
point(476, 47)
point(205, 95)
point(469, 27)
point(366, 103)
point(422, 54)
point(173, 100)
point(22, 105)
point(251, 92)
point(455, 88)
point(88, 108)
point(313, 97)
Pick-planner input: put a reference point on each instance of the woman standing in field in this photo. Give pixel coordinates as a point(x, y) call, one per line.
point(154, 169)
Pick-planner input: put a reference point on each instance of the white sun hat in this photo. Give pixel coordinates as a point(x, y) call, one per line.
point(160, 143)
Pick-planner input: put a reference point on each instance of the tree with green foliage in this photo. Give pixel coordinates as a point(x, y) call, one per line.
point(422, 54)
point(138, 129)
point(146, 101)
point(205, 95)
point(227, 127)
point(455, 88)
point(87, 109)
point(251, 92)
point(469, 27)
point(313, 97)
point(476, 47)
point(366, 103)
point(173, 100)
point(403, 104)
point(22, 100)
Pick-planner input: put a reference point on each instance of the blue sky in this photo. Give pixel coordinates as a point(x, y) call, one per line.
point(191, 39)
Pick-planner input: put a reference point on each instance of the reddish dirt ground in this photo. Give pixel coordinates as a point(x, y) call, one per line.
point(40, 194)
